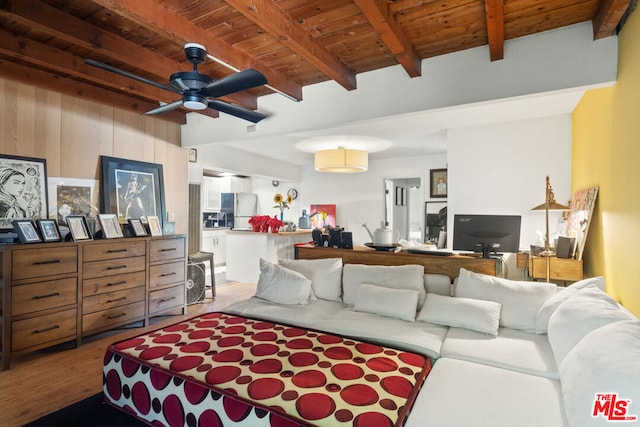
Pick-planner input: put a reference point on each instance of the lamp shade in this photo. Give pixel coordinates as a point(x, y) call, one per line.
point(341, 160)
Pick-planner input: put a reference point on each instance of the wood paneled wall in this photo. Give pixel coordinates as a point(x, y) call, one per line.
point(72, 134)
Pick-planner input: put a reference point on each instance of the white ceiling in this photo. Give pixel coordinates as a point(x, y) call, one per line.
point(406, 135)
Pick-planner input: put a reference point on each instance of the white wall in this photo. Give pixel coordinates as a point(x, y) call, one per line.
point(501, 169)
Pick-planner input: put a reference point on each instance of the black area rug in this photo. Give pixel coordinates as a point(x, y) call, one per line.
point(92, 411)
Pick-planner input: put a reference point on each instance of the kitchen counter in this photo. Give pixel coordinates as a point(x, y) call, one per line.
point(245, 248)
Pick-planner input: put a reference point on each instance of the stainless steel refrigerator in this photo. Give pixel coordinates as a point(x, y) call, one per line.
point(237, 208)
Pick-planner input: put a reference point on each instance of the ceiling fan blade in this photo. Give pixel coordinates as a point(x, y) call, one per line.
point(234, 110)
point(166, 107)
point(233, 83)
point(127, 74)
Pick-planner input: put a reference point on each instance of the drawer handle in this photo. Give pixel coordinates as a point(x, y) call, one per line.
point(168, 249)
point(53, 261)
point(173, 273)
point(115, 251)
point(55, 294)
point(117, 299)
point(51, 328)
point(166, 299)
point(116, 316)
point(122, 282)
point(116, 267)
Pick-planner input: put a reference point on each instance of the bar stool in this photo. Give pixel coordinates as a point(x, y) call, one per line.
point(197, 257)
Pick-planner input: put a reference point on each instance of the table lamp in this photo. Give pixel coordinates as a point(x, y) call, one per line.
point(549, 204)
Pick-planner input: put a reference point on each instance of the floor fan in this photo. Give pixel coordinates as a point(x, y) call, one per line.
point(195, 282)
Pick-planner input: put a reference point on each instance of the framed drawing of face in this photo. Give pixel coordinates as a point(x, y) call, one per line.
point(23, 189)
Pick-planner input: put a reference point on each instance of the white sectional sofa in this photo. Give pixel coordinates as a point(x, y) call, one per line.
point(505, 353)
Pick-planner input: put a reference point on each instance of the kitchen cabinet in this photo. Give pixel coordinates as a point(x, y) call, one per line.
point(213, 186)
point(215, 241)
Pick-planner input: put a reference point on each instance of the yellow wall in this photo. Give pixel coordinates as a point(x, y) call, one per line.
point(606, 152)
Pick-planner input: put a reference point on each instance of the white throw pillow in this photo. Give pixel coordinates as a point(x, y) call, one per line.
point(467, 313)
point(606, 361)
point(588, 310)
point(325, 275)
point(547, 309)
point(520, 300)
point(281, 285)
point(398, 303)
point(394, 277)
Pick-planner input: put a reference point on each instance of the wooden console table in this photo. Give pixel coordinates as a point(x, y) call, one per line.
point(563, 269)
point(434, 264)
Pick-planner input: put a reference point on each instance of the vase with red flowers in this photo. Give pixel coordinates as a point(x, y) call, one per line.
point(259, 223)
point(275, 224)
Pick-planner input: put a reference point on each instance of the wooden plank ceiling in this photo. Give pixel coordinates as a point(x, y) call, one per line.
point(294, 43)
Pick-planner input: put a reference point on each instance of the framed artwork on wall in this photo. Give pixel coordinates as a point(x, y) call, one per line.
point(23, 190)
point(322, 216)
point(438, 183)
point(132, 189)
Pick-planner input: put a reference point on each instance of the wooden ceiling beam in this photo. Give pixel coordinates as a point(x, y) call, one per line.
point(494, 12)
point(608, 16)
point(78, 89)
point(378, 14)
point(76, 31)
point(268, 16)
point(182, 30)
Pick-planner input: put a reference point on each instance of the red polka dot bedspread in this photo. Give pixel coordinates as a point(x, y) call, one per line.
point(219, 369)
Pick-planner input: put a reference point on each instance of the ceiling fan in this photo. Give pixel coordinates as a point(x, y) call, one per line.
point(200, 91)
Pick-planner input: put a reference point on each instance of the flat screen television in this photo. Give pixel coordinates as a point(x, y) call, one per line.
point(486, 233)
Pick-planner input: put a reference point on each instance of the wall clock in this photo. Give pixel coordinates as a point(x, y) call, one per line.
point(293, 193)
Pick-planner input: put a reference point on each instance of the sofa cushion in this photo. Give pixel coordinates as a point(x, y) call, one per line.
point(520, 300)
point(467, 313)
point(398, 303)
point(606, 361)
point(550, 306)
point(325, 275)
point(459, 393)
point(437, 284)
point(589, 309)
point(512, 349)
point(281, 285)
point(395, 277)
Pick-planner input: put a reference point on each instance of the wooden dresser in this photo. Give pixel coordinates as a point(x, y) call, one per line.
point(52, 293)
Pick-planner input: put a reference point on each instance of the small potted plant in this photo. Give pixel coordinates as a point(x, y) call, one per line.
point(275, 224)
point(258, 223)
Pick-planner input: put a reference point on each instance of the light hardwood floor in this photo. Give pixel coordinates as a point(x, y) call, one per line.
point(45, 381)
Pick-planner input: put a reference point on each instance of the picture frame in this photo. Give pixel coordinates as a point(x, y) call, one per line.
point(72, 196)
point(193, 155)
point(49, 230)
point(137, 228)
point(23, 190)
point(154, 226)
point(78, 228)
point(26, 230)
point(110, 226)
point(439, 183)
point(131, 189)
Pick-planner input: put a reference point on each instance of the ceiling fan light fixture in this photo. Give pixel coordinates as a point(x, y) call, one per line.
point(341, 160)
point(194, 102)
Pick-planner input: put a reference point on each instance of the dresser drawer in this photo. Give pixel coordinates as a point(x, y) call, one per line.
point(43, 295)
point(166, 299)
point(113, 317)
point(120, 282)
point(166, 274)
point(112, 267)
point(43, 329)
point(166, 249)
point(112, 299)
point(31, 263)
point(113, 250)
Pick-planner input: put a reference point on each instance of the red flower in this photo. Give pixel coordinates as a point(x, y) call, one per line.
point(275, 222)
